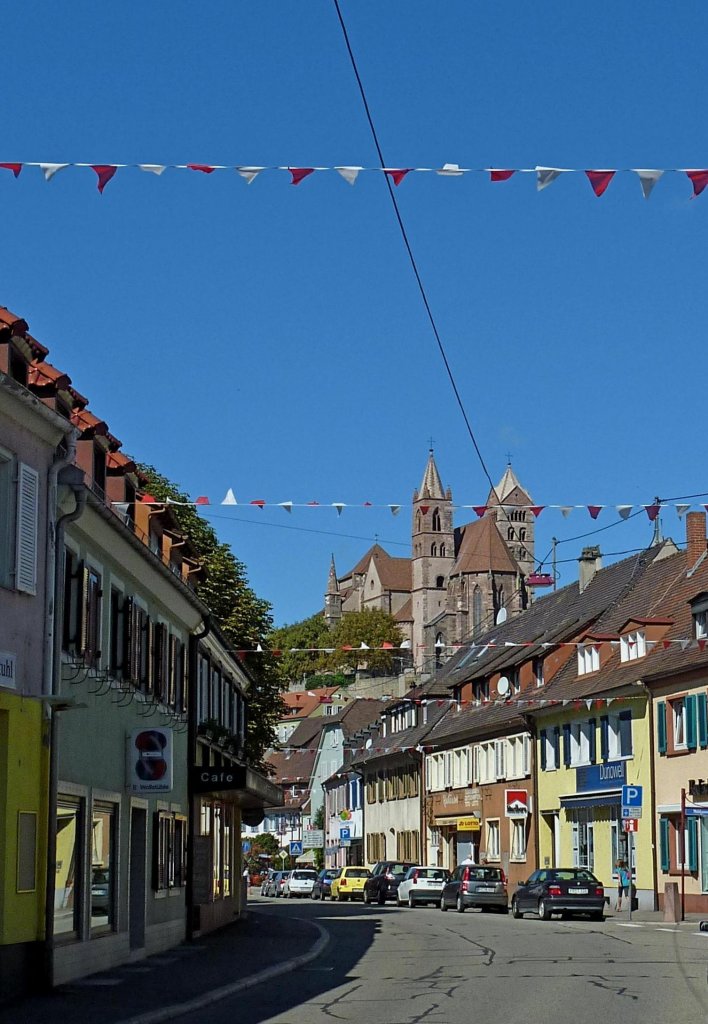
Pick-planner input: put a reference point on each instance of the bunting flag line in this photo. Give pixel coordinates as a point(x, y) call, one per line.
point(624, 511)
point(590, 644)
point(544, 176)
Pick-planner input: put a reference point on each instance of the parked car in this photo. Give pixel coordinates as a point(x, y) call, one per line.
point(266, 879)
point(299, 883)
point(100, 892)
point(474, 885)
point(386, 876)
point(560, 891)
point(348, 884)
point(423, 884)
point(280, 888)
point(320, 890)
point(271, 886)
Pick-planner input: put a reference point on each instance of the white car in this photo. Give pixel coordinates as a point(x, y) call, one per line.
point(422, 884)
point(299, 883)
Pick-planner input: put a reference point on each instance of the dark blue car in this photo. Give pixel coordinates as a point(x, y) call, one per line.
point(322, 887)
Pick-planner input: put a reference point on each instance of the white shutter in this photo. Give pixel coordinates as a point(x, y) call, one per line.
point(500, 759)
point(475, 764)
point(27, 514)
point(526, 766)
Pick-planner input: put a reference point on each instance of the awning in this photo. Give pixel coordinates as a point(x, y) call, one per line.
point(591, 800)
point(308, 857)
point(437, 822)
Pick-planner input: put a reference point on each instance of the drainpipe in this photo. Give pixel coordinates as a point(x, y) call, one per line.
point(423, 815)
point(192, 725)
point(73, 477)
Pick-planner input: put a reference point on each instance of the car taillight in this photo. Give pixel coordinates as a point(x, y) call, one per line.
point(343, 881)
point(503, 877)
point(463, 886)
point(599, 891)
point(554, 890)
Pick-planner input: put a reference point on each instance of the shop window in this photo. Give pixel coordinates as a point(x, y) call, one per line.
point(518, 838)
point(103, 866)
point(583, 838)
point(493, 843)
point(69, 868)
point(170, 850)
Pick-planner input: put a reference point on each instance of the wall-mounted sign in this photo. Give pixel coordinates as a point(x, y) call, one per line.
point(212, 780)
point(468, 824)
point(149, 760)
point(608, 775)
point(313, 839)
point(516, 803)
point(8, 670)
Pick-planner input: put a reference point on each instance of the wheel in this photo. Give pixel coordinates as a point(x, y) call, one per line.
point(443, 904)
point(459, 904)
point(411, 901)
point(515, 912)
point(544, 911)
point(598, 916)
point(341, 897)
point(367, 898)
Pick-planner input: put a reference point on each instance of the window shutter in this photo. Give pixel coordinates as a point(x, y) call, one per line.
point(690, 703)
point(592, 735)
point(692, 824)
point(526, 755)
point(566, 744)
point(84, 611)
point(702, 702)
point(27, 515)
point(604, 737)
point(475, 763)
point(661, 726)
point(543, 741)
point(664, 845)
point(625, 728)
point(556, 745)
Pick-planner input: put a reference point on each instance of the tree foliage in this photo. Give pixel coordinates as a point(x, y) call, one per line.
point(310, 632)
point(372, 627)
point(244, 618)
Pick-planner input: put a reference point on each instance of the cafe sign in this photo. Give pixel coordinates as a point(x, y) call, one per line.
point(8, 670)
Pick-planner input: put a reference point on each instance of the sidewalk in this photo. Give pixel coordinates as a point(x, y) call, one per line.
point(653, 918)
point(177, 976)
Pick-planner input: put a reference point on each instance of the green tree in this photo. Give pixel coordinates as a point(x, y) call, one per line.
point(308, 633)
point(372, 627)
point(318, 821)
point(244, 618)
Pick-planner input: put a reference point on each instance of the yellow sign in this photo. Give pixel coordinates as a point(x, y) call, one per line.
point(468, 824)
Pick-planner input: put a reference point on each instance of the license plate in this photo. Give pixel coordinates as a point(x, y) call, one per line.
point(578, 892)
point(486, 888)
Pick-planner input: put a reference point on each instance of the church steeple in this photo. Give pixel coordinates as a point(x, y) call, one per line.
point(431, 484)
point(333, 598)
point(511, 503)
point(433, 553)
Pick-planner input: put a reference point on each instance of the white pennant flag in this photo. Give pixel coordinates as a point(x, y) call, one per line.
point(395, 509)
point(339, 505)
point(647, 179)
point(450, 170)
point(287, 505)
point(545, 175)
point(153, 168)
point(230, 498)
point(363, 646)
point(350, 174)
point(685, 644)
point(566, 510)
point(624, 511)
point(681, 510)
point(49, 170)
point(588, 705)
point(249, 173)
point(259, 649)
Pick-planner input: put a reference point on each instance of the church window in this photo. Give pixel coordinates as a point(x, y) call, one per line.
point(372, 584)
point(436, 520)
point(500, 597)
point(417, 521)
point(442, 550)
point(522, 533)
point(440, 582)
point(510, 533)
point(434, 550)
point(522, 553)
point(477, 609)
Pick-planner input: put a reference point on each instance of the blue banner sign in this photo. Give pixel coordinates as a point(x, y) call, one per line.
point(608, 775)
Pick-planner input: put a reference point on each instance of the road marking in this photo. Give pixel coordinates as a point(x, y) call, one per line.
point(667, 929)
point(626, 924)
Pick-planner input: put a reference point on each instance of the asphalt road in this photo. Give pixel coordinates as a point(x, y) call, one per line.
point(400, 966)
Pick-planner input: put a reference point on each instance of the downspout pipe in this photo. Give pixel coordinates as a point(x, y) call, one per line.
point(73, 477)
point(652, 768)
point(192, 726)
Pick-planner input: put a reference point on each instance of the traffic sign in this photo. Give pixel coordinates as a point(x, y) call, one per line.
point(312, 839)
point(632, 796)
point(630, 825)
point(345, 833)
point(631, 812)
point(295, 849)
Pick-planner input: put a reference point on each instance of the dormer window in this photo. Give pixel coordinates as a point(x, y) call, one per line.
point(633, 645)
point(588, 659)
point(699, 610)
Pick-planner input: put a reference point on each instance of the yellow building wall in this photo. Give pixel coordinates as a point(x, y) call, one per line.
point(24, 767)
point(551, 785)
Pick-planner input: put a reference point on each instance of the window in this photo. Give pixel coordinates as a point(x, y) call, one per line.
point(588, 659)
point(493, 839)
point(486, 762)
point(117, 642)
point(581, 736)
point(538, 671)
point(583, 838)
point(330, 709)
point(27, 519)
point(518, 757)
point(69, 868)
point(618, 740)
point(103, 866)
point(170, 848)
point(700, 620)
point(91, 612)
point(6, 518)
point(160, 638)
point(522, 533)
point(442, 550)
point(518, 839)
point(375, 846)
point(510, 533)
point(550, 749)
point(678, 719)
point(436, 520)
point(633, 646)
point(440, 580)
point(407, 845)
point(476, 609)
point(433, 550)
point(500, 759)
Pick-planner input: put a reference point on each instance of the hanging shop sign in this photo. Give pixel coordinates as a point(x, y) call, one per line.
point(468, 824)
point(149, 760)
point(516, 802)
point(8, 670)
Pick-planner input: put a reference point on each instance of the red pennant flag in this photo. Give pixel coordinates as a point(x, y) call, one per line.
point(313, 503)
point(397, 176)
point(386, 646)
point(347, 647)
point(105, 172)
point(537, 510)
point(479, 509)
point(701, 644)
point(425, 509)
point(652, 511)
point(204, 168)
point(277, 652)
point(15, 168)
point(259, 502)
point(595, 510)
point(202, 500)
point(299, 173)
point(600, 180)
point(666, 644)
point(699, 180)
point(148, 499)
point(500, 175)
point(367, 504)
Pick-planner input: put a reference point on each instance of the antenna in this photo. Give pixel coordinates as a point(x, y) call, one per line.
point(503, 686)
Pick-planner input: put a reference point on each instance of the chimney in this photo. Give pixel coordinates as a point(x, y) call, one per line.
point(589, 562)
point(695, 537)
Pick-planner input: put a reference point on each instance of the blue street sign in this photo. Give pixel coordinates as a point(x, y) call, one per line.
point(345, 833)
point(246, 847)
point(295, 849)
point(631, 796)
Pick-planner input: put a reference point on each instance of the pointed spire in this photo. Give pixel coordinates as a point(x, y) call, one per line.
point(332, 582)
point(431, 486)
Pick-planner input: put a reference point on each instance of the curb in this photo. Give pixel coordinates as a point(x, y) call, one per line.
point(167, 1013)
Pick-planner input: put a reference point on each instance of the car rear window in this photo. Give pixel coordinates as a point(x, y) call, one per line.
point(571, 875)
point(357, 873)
point(305, 875)
point(399, 869)
point(485, 874)
point(431, 873)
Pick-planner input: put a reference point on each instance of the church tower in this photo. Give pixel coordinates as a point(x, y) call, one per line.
point(333, 598)
point(433, 556)
point(515, 522)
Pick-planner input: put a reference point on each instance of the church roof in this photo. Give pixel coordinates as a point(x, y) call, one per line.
point(508, 483)
point(431, 485)
point(363, 564)
point(405, 613)
point(482, 549)
point(394, 573)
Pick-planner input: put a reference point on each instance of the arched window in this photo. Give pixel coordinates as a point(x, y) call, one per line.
point(442, 550)
point(439, 649)
point(500, 598)
point(417, 521)
point(440, 582)
point(476, 609)
point(433, 550)
point(522, 533)
point(436, 520)
point(510, 533)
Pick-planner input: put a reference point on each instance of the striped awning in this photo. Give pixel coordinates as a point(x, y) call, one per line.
point(591, 800)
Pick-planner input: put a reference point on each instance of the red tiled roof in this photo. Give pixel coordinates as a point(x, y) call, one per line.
point(483, 550)
point(405, 614)
point(43, 375)
point(303, 702)
point(118, 462)
point(87, 422)
point(394, 573)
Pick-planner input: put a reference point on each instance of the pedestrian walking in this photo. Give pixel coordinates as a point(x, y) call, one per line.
point(624, 881)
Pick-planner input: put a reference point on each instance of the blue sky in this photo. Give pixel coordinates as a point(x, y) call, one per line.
point(271, 339)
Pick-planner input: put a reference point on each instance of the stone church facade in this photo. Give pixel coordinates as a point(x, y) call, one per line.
point(458, 581)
